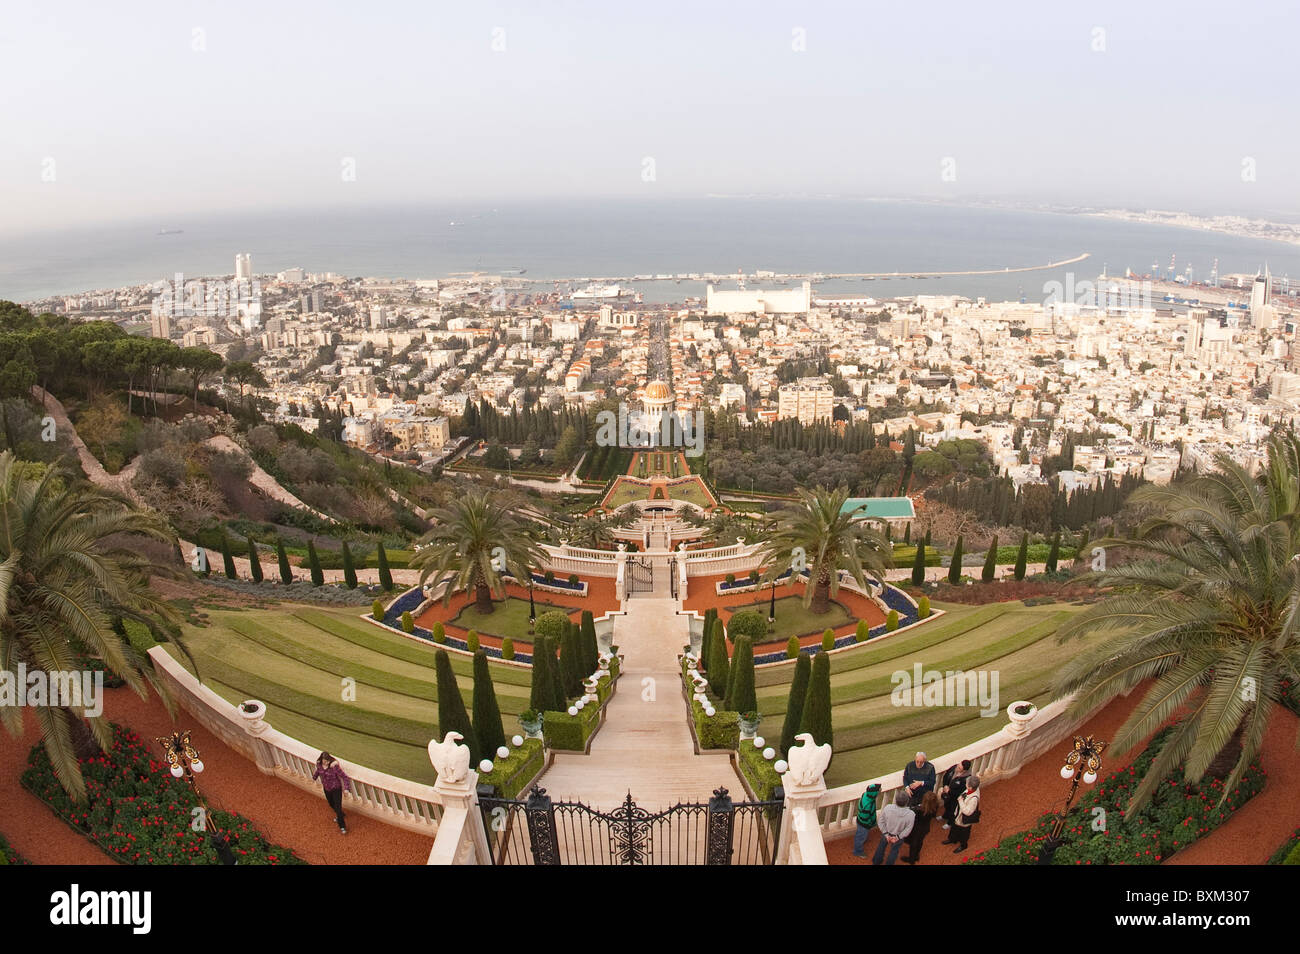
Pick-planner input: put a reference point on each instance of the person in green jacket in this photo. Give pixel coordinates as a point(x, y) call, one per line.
point(866, 819)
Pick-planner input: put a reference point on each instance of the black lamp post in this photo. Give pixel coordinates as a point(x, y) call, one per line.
point(183, 759)
point(1082, 763)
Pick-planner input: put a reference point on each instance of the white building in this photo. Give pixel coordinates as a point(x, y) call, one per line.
point(243, 266)
point(808, 399)
point(780, 301)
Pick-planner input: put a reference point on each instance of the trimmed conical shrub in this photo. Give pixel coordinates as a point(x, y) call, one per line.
point(1055, 553)
point(954, 568)
point(719, 668)
point(863, 632)
point(227, 559)
point(1022, 556)
point(254, 564)
point(816, 715)
point(452, 716)
point(742, 697)
point(792, 647)
point(385, 574)
point(571, 660)
point(349, 570)
point(828, 639)
point(377, 610)
point(313, 561)
point(541, 695)
point(795, 700)
point(487, 714)
point(590, 646)
point(282, 558)
point(991, 562)
point(918, 565)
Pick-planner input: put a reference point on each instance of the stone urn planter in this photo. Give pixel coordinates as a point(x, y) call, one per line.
point(531, 722)
point(1021, 714)
point(749, 724)
point(252, 712)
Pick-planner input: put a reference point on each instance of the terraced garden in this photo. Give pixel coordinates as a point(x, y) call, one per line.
point(874, 737)
point(295, 658)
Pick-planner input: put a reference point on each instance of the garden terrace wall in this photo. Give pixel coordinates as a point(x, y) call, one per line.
point(395, 801)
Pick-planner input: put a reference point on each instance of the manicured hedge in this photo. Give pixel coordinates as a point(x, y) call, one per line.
point(763, 779)
point(1177, 815)
point(139, 815)
point(722, 730)
point(510, 775)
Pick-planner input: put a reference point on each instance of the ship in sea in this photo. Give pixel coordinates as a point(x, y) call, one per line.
point(170, 231)
point(602, 291)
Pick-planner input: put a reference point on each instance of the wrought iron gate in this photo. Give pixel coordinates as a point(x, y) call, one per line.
point(539, 831)
point(640, 575)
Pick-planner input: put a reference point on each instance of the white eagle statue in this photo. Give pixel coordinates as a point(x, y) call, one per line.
point(807, 761)
point(450, 761)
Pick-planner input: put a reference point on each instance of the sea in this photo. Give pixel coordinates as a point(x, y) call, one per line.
point(573, 241)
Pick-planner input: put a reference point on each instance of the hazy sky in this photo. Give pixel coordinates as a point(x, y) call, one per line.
point(152, 110)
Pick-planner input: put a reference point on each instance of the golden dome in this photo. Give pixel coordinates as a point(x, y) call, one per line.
point(658, 391)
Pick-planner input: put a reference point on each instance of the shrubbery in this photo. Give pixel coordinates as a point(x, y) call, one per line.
point(747, 623)
point(891, 621)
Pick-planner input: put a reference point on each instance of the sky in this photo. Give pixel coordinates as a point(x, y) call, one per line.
point(147, 111)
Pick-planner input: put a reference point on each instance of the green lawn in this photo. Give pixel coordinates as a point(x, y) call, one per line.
point(625, 492)
point(692, 492)
point(509, 618)
point(792, 619)
point(296, 659)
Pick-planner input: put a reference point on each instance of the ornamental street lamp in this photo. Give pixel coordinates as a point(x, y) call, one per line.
point(183, 759)
point(532, 608)
point(1082, 763)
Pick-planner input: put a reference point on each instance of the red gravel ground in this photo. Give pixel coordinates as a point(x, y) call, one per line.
point(703, 594)
point(600, 599)
point(283, 813)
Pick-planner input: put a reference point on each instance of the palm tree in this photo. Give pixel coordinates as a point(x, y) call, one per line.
point(1209, 610)
point(474, 540)
point(68, 571)
point(594, 530)
point(821, 534)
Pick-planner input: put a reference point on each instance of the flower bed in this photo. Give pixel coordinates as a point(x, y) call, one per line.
point(1177, 815)
point(137, 814)
point(8, 856)
point(1289, 851)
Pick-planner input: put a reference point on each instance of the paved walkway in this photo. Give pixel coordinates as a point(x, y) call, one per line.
point(645, 745)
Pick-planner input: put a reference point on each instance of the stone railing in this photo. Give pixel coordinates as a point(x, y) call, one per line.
point(994, 757)
point(395, 801)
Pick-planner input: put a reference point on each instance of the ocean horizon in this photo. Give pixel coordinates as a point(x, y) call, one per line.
point(578, 240)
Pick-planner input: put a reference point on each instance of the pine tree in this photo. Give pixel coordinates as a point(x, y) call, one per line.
point(385, 574)
point(286, 572)
point(795, 700)
point(227, 559)
point(719, 668)
point(254, 564)
point(954, 568)
point(918, 565)
point(742, 697)
point(487, 714)
point(816, 716)
point(349, 571)
point(313, 561)
point(452, 716)
point(1022, 556)
point(991, 562)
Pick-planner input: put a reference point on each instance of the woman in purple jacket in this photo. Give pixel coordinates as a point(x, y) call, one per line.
point(334, 780)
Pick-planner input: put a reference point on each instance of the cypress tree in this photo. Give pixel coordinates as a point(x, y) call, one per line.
point(795, 700)
point(540, 696)
point(1022, 556)
point(556, 681)
point(991, 562)
point(570, 663)
point(487, 714)
point(349, 571)
point(954, 569)
point(590, 646)
point(1083, 545)
point(907, 534)
point(254, 564)
point(718, 666)
point(227, 559)
point(816, 716)
point(918, 565)
point(317, 574)
point(286, 573)
point(385, 574)
point(1054, 553)
point(927, 536)
point(742, 697)
point(452, 716)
